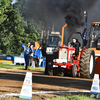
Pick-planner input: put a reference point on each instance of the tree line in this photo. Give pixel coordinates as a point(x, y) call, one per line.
point(15, 27)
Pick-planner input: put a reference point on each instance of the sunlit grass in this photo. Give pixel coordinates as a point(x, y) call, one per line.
point(74, 97)
point(67, 97)
point(6, 66)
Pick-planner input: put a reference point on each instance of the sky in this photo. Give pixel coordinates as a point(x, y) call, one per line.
point(13, 1)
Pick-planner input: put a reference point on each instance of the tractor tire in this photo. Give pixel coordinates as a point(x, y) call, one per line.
point(49, 63)
point(55, 71)
point(58, 72)
point(62, 74)
point(87, 64)
point(50, 72)
point(74, 70)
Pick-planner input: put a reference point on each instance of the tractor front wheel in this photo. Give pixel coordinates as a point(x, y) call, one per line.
point(55, 71)
point(74, 70)
point(58, 71)
point(87, 63)
point(50, 72)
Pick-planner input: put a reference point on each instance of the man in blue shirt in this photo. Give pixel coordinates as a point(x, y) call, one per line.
point(27, 52)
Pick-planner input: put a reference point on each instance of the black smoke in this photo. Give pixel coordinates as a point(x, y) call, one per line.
point(74, 11)
point(57, 11)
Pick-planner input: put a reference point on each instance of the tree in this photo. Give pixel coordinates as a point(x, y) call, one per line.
point(33, 26)
point(11, 29)
point(4, 4)
point(14, 27)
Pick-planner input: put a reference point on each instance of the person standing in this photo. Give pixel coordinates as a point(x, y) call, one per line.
point(27, 52)
point(35, 56)
point(40, 55)
point(31, 56)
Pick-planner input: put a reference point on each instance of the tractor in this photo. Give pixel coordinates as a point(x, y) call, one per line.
point(86, 64)
point(50, 42)
point(67, 62)
point(88, 61)
point(93, 43)
point(53, 43)
point(82, 65)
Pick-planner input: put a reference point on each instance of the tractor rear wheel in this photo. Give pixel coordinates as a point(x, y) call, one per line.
point(87, 63)
point(74, 70)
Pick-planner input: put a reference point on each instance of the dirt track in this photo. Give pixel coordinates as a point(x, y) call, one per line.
point(11, 81)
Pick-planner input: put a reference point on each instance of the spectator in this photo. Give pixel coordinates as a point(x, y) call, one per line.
point(35, 55)
point(40, 55)
point(31, 56)
point(27, 52)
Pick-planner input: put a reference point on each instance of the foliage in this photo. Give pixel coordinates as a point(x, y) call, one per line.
point(33, 28)
point(14, 27)
point(10, 29)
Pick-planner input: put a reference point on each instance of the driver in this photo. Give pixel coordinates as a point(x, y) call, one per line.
point(75, 43)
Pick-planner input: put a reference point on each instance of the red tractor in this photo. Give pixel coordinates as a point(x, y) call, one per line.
point(67, 62)
point(87, 62)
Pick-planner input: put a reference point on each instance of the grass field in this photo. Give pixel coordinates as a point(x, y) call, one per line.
point(74, 97)
point(71, 97)
point(6, 66)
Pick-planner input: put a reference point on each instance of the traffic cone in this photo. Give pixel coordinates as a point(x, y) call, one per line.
point(95, 88)
point(26, 91)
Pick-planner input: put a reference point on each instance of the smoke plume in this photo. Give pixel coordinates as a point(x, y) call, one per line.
point(56, 12)
point(74, 11)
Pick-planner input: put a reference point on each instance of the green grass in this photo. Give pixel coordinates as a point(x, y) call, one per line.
point(67, 97)
point(17, 99)
point(6, 66)
point(74, 97)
